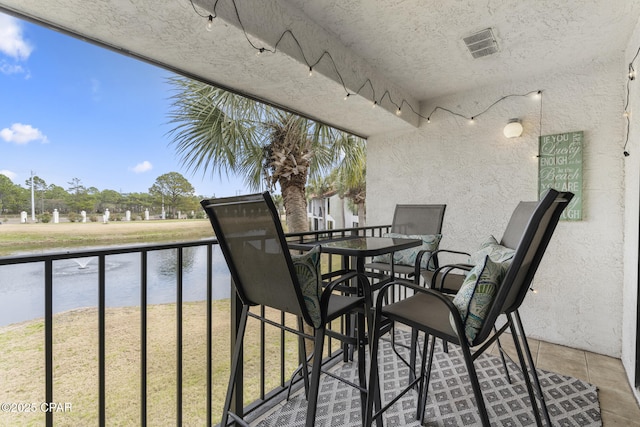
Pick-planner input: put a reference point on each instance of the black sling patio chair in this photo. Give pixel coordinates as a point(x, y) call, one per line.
point(434, 313)
point(418, 221)
point(251, 238)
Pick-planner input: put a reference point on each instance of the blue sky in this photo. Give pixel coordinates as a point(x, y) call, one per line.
point(70, 109)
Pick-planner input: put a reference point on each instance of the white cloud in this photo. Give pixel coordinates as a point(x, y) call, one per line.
point(6, 68)
point(12, 42)
point(8, 174)
point(22, 134)
point(142, 167)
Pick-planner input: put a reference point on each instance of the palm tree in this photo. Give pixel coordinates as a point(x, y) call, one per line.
point(218, 131)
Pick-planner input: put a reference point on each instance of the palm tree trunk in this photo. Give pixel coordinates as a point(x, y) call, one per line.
point(295, 204)
point(362, 215)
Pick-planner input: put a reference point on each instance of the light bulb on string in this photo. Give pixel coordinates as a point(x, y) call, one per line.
point(398, 112)
point(310, 72)
point(428, 119)
point(347, 96)
point(260, 51)
point(472, 121)
point(537, 95)
point(375, 104)
point(209, 26)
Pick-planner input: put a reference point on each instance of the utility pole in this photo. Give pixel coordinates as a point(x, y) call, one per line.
point(33, 206)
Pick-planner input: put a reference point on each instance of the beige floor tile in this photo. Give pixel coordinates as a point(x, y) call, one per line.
point(609, 378)
point(563, 360)
point(620, 403)
point(613, 420)
point(605, 371)
point(600, 361)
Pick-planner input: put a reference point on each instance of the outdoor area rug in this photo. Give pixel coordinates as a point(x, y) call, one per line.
point(571, 402)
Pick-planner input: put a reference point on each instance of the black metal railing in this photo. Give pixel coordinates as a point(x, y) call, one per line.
point(264, 397)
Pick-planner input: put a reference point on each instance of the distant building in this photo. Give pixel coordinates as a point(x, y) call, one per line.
point(330, 211)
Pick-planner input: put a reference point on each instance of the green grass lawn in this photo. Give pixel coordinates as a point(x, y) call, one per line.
point(76, 364)
point(37, 237)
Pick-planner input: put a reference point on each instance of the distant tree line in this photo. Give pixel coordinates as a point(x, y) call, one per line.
point(172, 190)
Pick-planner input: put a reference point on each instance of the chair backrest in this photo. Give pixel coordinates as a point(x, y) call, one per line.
point(251, 238)
point(418, 219)
point(529, 231)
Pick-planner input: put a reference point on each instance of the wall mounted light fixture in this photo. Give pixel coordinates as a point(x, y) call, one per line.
point(513, 129)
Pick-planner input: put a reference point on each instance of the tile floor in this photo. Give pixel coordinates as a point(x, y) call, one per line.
point(617, 402)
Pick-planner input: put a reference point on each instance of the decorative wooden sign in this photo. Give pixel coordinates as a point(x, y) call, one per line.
point(560, 168)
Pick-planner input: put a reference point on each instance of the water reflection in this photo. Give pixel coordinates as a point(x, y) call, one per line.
point(75, 282)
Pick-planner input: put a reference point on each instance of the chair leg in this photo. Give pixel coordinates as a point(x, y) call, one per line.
point(475, 384)
point(413, 349)
point(374, 381)
point(504, 362)
point(423, 390)
point(235, 360)
point(362, 364)
point(315, 376)
point(524, 347)
point(302, 356)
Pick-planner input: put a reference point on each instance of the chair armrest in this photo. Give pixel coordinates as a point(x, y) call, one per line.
point(337, 284)
point(432, 255)
point(442, 298)
point(445, 270)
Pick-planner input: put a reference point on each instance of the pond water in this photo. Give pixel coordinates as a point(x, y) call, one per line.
point(75, 282)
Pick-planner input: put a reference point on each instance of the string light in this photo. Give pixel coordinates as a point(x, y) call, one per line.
point(375, 102)
point(627, 113)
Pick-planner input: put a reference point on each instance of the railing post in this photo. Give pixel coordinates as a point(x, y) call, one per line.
point(179, 297)
point(143, 338)
point(209, 332)
point(101, 341)
point(237, 406)
point(48, 336)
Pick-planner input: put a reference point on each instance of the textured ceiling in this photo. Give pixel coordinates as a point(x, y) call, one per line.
point(418, 44)
point(397, 52)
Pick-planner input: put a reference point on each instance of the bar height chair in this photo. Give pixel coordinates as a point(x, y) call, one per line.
point(413, 221)
point(500, 289)
point(251, 238)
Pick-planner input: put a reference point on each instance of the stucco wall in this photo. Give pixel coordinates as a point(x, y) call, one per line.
point(481, 176)
point(632, 217)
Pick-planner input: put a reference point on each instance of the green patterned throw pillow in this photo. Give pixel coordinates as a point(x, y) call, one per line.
point(475, 297)
point(307, 267)
point(494, 250)
point(430, 243)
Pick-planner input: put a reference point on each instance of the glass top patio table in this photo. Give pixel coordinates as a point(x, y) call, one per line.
point(358, 246)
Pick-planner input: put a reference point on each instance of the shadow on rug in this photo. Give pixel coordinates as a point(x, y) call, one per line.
point(570, 401)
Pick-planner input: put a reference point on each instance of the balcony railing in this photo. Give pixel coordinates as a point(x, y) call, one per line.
point(276, 353)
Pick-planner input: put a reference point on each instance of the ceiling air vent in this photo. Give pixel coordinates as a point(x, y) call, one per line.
point(482, 43)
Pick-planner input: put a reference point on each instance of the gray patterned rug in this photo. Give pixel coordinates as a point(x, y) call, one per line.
point(571, 402)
